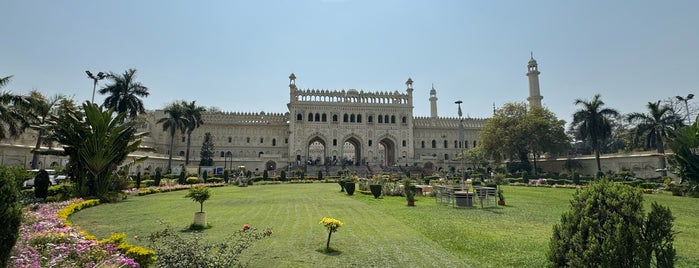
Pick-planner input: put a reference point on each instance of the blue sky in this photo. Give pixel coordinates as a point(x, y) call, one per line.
point(237, 55)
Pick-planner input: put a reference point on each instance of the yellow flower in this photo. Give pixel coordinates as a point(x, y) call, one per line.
point(331, 224)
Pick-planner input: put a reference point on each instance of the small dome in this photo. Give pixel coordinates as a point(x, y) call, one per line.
point(352, 91)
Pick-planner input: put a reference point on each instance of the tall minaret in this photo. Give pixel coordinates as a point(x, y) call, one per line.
point(433, 102)
point(533, 74)
point(409, 84)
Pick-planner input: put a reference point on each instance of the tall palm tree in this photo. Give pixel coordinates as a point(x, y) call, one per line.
point(193, 115)
point(175, 120)
point(41, 111)
point(12, 121)
point(593, 123)
point(125, 93)
point(654, 127)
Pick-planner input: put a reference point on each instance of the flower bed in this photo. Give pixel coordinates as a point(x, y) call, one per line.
point(47, 240)
point(165, 189)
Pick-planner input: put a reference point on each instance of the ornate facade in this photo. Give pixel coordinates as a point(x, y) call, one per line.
point(326, 127)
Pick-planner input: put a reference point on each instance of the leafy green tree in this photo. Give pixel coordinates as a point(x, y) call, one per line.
point(41, 117)
point(10, 214)
point(685, 160)
point(606, 227)
point(653, 127)
point(199, 194)
point(207, 151)
point(593, 123)
point(125, 93)
point(175, 120)
point(96, 145)
point(515, 132)
point(193, 114)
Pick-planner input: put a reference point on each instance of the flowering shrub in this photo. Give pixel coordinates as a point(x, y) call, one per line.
point(176, 249)
point(144, 257)
point(332, 225)
point(47, 241)
point(170, 188)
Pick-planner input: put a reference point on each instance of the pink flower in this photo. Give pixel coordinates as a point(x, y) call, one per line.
point(246, 227)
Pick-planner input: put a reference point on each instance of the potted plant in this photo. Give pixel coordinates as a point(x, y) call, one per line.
point(376, 186)
point(409, 190)
point(501, 197)
point(199, 194)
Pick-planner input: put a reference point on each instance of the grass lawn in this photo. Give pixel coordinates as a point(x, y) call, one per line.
point(377, 232)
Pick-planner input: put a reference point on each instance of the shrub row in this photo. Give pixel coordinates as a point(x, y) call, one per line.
point(72, 208)
point(144, 257)
point(166, 189)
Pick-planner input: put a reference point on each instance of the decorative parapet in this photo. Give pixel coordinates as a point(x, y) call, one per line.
point(448, 122)
point(349, 96)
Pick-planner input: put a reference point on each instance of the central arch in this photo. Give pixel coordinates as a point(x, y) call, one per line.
point(352, 151)
point(389, 151)
point(317, 151)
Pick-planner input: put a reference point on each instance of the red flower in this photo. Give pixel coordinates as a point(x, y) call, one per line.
point(246, 226)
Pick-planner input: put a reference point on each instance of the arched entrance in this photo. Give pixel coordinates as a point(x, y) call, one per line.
point(389, 151)
point(271, 165)
point(351, 152)
point(316, 152)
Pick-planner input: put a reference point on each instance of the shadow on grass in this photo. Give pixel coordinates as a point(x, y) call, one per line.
point(329, 251)
point(195, 228)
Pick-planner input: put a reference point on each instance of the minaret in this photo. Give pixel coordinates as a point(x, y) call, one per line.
point(433, 102)
point(409, 85)
point(533, 74)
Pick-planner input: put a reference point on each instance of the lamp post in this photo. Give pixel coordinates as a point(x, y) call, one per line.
point(461, 140)
point(95, 78)
point(686, 105)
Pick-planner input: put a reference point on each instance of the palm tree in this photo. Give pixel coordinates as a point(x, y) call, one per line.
point(593, 123)
point(654, 127)
point(12, 121)
point(96, 145)
point(193, 114)
point(41, 113)
point(175, 120)
point(124, 94)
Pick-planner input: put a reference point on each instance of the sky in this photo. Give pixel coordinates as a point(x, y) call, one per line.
point(237, 55)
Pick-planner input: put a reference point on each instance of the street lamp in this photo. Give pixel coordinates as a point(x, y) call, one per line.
point(686, 105)
point(461, 138)
point(94, 78)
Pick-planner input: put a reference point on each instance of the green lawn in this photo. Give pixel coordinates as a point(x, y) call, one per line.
point(377, 232)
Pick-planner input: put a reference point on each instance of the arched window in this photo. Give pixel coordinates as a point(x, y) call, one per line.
point(334, 118)
point(393, 119)
point(446, 144)
point(352, 118)
point(434, 144)
point(324, 118)
point(422, 144)
point(310, 117)
point(405, 143)
point(247, 139)
point(274, 142)
point(404, 120)
point(370, 119)
point(380, 119)
point(385, 119)
point(456, 144)
point(466, 144)
point(345, 118)
point(370, 142)
point(222, 153)
point(262, 140)
point(359, 118)
point(181, 153)
point(446, 156)
point(299, 117)
point(317, 119)
point(474, 143)
point(230, 139)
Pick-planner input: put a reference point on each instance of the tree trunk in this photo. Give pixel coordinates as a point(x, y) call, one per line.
point(599, 165)
point(661, 151)
point(169, 160)
point(35, 157)
point(189, 142)
point(327, 244)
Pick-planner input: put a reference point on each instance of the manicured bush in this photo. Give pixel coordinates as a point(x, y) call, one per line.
point(226, 175)
point(215, 180)
point(205, 176)
point(41, 184)
point(149, 183)
point(182, 179)
point(282, 177)
point(144, 257)
point(10, 215)
point(158, 176)
point(265, 175)
point(138, 180)
point(192, 180)
point(61, 192)
point(606, 227)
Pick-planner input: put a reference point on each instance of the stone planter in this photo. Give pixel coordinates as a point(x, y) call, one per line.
point(375, 190)
point(350, 186)
point(200, 219)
